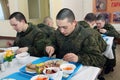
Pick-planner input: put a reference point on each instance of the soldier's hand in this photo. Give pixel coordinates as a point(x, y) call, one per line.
point(20, 50)
point(103, 30)
point(71, 57)
point(50, 50)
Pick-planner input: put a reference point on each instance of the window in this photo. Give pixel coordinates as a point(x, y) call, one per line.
point(1, 12)
point(4, 9)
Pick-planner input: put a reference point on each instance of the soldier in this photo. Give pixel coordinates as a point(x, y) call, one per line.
point(48, 21)
point(74, 43)
point(47, 27)
point(107, 29)
point(29, 38)
point(89, 23)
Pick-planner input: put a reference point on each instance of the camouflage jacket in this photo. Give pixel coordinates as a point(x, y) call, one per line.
point(82, 43)
point(99, 40)
point(49, 31)
point(34, 39)
point(111, 31)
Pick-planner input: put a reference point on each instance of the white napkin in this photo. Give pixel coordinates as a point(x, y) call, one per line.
point(86, 73)
point(108, 52)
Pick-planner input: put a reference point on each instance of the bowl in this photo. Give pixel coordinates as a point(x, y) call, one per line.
point(23, 57)
point(51, 72)
point(40, 77)
point(67, 68)
point(14, 49)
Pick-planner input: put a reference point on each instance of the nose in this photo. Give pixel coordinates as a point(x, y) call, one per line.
point(62, 30)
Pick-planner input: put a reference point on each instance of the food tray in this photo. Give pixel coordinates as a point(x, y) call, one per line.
point(43, 59)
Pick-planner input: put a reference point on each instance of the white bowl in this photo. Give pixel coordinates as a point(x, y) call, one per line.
point(14, 49)
point(42, 77)
point(67, 68)
point(23, 57)
point(54, 71)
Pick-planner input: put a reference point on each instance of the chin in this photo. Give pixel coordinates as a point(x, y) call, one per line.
point(19, 31)
point(65, 34)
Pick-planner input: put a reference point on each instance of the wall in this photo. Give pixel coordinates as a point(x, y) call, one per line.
point(79, 7)
point(55, 6)
point(6, 29)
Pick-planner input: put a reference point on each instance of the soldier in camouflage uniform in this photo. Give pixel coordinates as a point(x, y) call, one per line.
point(107, 29)
point(74, 43)
point(47, 27)
point(48, 21)
point(88, 23)
point(49, 31)
point(29, 38)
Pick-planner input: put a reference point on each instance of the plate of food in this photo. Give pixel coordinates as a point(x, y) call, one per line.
point(52, 72)
point(30, 68)
point(33, 68)
point(38, 66)
point(54, 63)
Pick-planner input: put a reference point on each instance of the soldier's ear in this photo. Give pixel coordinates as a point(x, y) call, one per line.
point(22, 21)
point(74, 22)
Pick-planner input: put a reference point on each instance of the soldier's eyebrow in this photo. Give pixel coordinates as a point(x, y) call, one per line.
point(62, 27)
point(14, 24)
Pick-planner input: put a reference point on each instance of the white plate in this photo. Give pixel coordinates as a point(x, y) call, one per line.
point(56, 60)
point(31, 72)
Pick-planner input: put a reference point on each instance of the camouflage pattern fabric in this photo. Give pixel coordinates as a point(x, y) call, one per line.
point(34, 39)
point(111, 31)
point(49, 31)
point(82, 43)
point(99, 40)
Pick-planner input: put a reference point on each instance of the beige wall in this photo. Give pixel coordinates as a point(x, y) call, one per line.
point(6, 29)
point(79, 7)
point(55, 6)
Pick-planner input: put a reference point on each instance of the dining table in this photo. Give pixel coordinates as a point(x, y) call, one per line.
point(83, 73)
